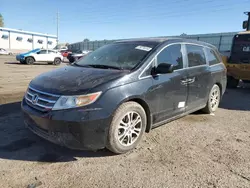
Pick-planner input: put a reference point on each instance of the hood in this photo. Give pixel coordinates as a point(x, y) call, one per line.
point(30, 52)
point(71, 80)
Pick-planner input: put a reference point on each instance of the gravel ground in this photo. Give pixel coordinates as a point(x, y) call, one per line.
point(195, 151)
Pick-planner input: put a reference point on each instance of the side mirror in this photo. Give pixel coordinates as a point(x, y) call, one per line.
point(164, 68)
point(244, 24)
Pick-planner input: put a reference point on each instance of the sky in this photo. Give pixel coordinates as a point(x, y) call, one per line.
point(116, 19)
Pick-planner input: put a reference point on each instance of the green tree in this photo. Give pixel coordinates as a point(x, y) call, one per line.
point(1, 21)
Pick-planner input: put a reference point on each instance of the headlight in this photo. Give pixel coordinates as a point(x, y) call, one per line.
point(65, 102)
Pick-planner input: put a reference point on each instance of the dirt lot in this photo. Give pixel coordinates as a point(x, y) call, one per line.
point(195, 151)
point(15, 77)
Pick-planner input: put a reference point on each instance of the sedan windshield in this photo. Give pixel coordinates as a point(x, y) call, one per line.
point(34, 51)
point(124, 55)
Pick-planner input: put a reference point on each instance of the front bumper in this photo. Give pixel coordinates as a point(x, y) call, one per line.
point(73, 128)
point(20, 58)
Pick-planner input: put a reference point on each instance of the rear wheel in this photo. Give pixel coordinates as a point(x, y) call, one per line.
point(232, 82)
point(57, 61)
point(127, 127)
point(29, 60)
point(213, 100)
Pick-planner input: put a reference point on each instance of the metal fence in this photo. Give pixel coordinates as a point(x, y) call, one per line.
point(222, 41)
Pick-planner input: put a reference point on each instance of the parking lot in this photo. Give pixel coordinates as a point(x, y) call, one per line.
point(195, 151)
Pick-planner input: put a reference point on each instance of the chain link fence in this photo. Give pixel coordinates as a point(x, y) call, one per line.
point(222, 41)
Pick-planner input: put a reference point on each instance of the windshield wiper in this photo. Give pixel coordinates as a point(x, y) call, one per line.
point(76, 64)
point(104, 66)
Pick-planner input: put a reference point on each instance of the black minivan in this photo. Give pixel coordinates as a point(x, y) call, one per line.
point(121, 90)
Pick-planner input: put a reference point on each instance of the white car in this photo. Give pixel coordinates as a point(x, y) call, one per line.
point(41, 55)
point(5, 52)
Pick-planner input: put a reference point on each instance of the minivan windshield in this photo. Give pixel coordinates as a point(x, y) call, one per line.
point(122, 55)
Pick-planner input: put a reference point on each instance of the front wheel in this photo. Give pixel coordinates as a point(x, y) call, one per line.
point(213, 100)
point(29, 60)
point(22, 61)
point(127, 127)
point(57, 61)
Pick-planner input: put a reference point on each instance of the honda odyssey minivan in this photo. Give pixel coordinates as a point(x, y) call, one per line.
point(118, 92)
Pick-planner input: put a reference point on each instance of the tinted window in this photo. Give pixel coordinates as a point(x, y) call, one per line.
point(125, 55)
point(51, 52)
point(211, 56)
point(42, 52)
point(196, 55)
point(171, 55)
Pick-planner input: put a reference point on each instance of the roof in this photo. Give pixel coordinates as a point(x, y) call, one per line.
point(167, 39)
point(26, 32)
point(148, 39)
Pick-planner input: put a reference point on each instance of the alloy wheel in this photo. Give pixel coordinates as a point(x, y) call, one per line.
point(215, 98)
point(129, 128)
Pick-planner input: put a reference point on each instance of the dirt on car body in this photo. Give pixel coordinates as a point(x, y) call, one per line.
point(195, 151)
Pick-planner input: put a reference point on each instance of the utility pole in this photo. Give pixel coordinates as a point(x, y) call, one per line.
point(57, 26)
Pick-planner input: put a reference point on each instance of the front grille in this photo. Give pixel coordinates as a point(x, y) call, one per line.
point(39, 100)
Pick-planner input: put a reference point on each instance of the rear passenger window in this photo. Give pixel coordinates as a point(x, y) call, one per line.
point(211, 57)
point(196, 55)
point(171, 55)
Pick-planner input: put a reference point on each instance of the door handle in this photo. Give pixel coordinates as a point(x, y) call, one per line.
point(184, 81)
point(191, 80)
point(188, 81)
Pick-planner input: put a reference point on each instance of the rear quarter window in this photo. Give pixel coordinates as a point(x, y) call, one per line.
point(195, 55)
point(212, 57)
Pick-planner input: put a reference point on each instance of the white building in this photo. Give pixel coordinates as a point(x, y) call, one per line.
point(19, 40)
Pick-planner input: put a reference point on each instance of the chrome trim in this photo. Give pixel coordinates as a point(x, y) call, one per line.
point(44, 93)
point(40, 105)
point(140, 78)
point(46, 100)
point(42, 99)
point(216, 64)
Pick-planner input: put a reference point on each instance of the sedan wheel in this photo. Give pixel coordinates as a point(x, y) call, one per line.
point(29, 60)
point(127, 127)
point(57, 61)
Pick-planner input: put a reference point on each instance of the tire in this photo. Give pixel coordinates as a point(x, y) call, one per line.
point(232, 82)
point(57, 61)
point(71, 59)
point(29, 60)
point(23, 62)
point(213, 100)
point(122, 114)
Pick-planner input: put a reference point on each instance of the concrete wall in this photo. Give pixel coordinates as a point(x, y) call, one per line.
point(13, 43)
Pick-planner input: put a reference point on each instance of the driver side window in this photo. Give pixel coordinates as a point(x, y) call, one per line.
point(42, 52)
point(171, 55)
